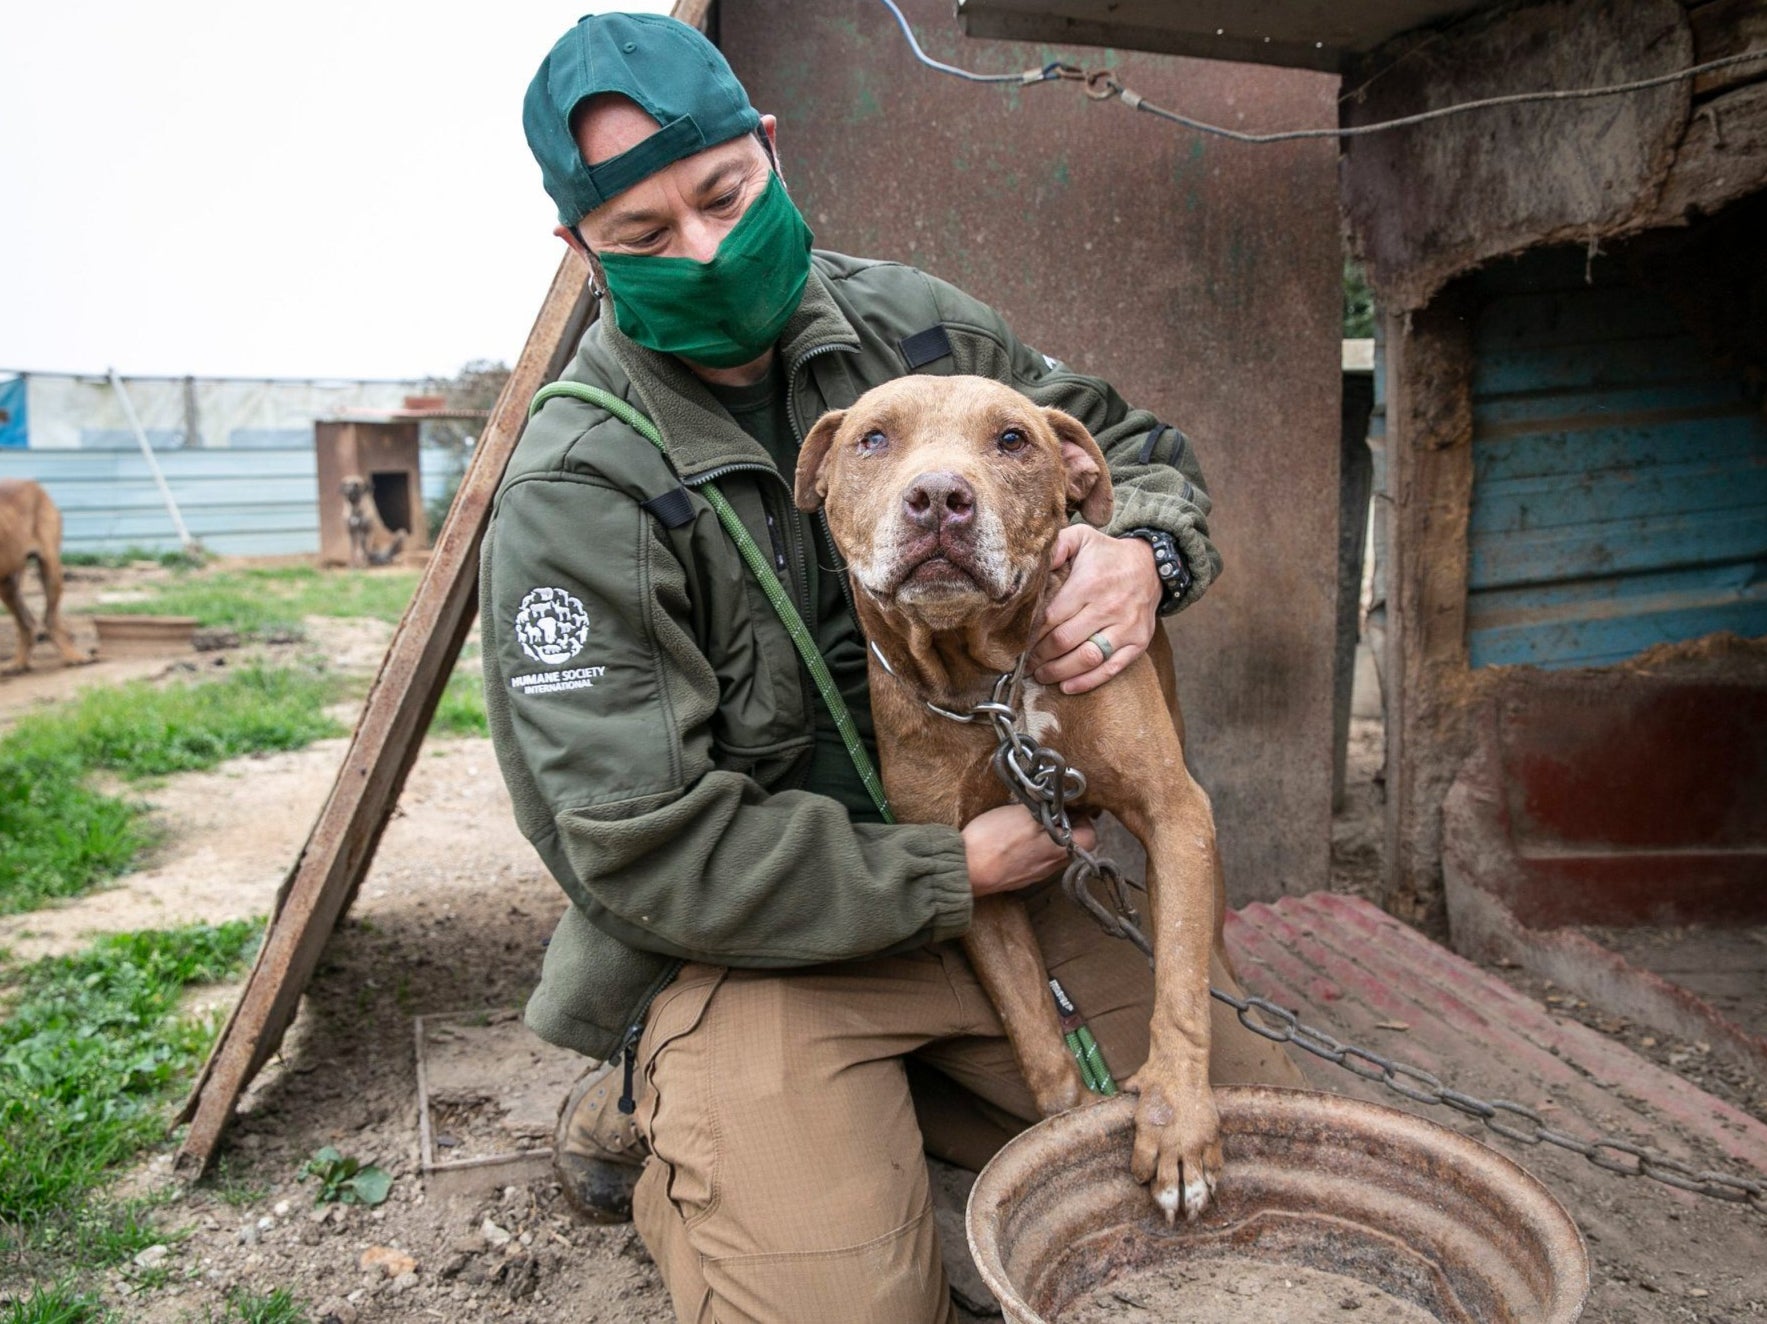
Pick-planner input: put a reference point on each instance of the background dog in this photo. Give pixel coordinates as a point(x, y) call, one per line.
point(30, 529)
point(945, 496)
point(371, 542)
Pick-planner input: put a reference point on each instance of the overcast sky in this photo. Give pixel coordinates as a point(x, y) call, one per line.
point(337, 188)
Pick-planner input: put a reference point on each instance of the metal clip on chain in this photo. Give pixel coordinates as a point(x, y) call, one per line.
point(1040, 779)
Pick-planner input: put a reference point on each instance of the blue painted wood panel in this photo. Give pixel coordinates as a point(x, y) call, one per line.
point(1619, 473)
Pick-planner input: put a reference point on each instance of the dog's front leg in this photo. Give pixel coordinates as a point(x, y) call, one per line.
point(1003, 949)
point(1177, 1128)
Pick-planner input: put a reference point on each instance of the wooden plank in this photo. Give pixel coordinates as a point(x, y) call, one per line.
point(1617, 547)
point(1510, 505)
point(1620, 439)
point(1579, 411)
point(1600, 640)
point(1429, 489)
point(1723, 156)
point(338, 851)
point(1728, 27)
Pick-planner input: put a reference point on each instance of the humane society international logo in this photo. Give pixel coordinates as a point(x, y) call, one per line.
point(551, 626)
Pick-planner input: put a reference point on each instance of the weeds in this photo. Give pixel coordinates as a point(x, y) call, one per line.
point(345, 1180)
point(62, 836)
point(274, 1307)
point(91, 1048)
point(461, 709)
point(58, 1304)
point(230, 1188)
point(271, 602)
point(176, 560)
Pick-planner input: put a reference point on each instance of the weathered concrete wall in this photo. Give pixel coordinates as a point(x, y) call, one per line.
point(1200, 277)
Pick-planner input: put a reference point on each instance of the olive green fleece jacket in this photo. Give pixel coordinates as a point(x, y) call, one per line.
point(651, 717)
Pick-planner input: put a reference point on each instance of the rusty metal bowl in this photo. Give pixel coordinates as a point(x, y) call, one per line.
point(1313, 1181)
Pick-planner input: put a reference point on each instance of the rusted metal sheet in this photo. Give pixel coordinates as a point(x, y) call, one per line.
point(1314, 1182)
point(1619, 471)
point(1202, 279)
point(1428, 202)
point(1623, 797)
point(330, 867)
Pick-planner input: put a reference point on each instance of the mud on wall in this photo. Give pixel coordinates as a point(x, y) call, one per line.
point(1199, 277)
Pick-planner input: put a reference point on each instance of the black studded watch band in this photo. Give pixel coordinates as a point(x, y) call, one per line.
point(1168, 563)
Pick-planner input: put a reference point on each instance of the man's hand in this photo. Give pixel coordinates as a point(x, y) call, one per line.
point(1113, 590)
point(1007, 848)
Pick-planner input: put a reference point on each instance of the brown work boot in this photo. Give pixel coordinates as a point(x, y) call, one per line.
point(597, 1152)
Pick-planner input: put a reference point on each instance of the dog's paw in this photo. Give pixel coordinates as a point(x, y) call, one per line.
point(1177, 1145)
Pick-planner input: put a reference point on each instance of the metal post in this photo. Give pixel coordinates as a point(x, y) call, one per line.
point(190, 544)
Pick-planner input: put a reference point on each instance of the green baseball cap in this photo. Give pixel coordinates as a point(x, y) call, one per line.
point(680, 79)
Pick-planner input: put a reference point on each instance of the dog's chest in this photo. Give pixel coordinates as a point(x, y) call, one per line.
point(941, 771)
point(1039, 719)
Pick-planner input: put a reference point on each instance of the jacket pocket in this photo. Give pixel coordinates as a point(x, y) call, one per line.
point(761, 691)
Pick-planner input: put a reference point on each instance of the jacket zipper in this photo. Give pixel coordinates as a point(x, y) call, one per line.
point(799, 585)
point(840, 562)
point(778, 546)
point(793, 373)
point(628, 1048)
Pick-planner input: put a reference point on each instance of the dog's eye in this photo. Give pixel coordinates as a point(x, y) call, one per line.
point(873, 441)
point(1012, 440)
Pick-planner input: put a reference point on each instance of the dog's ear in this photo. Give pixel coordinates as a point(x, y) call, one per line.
point(1089, 481)
point(810, 487)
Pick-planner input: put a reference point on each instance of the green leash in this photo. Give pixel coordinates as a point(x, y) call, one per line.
point(757, 563)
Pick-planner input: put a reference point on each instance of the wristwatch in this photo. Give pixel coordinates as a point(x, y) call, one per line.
point(1168, 563)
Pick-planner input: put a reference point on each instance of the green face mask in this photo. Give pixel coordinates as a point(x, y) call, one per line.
point(725, 312)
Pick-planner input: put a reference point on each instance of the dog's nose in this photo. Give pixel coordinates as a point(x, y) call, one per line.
point(938, 498)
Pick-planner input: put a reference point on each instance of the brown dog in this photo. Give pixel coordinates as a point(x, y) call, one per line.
point(30, 526)
point(945, 495)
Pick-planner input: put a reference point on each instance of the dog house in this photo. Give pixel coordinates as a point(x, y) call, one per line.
point(382, 450)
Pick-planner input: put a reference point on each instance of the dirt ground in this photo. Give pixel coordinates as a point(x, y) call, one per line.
point(452, 918)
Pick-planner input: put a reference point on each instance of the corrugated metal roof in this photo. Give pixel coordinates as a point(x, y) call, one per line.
point(1619, 472)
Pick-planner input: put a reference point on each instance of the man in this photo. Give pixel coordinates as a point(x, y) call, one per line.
point(772, 964)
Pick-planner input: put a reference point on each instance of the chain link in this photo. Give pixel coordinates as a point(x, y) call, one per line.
point(1040, 779)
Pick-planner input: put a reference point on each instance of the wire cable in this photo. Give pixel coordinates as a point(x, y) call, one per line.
point(1102, 85)
point(951, 69)
point(1137, 102)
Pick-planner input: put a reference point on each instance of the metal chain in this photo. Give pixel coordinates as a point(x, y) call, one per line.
point(1040, 779)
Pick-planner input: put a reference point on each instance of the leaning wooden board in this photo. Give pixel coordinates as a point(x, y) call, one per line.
point(323, 880)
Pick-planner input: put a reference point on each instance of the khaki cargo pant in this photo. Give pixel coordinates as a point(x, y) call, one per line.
point(787, 1112)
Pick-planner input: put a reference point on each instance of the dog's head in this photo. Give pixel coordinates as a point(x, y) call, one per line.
point(945, 493)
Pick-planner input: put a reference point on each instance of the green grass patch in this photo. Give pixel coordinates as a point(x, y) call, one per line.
point(461, 709)
point(92, 1048)
point(62, 836)
point(133, 555)
point(57, 1304)
point(266, 602)
point(274, 1307)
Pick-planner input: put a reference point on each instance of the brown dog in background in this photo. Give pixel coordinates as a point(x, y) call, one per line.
point(945, 496)
point(30, 528)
